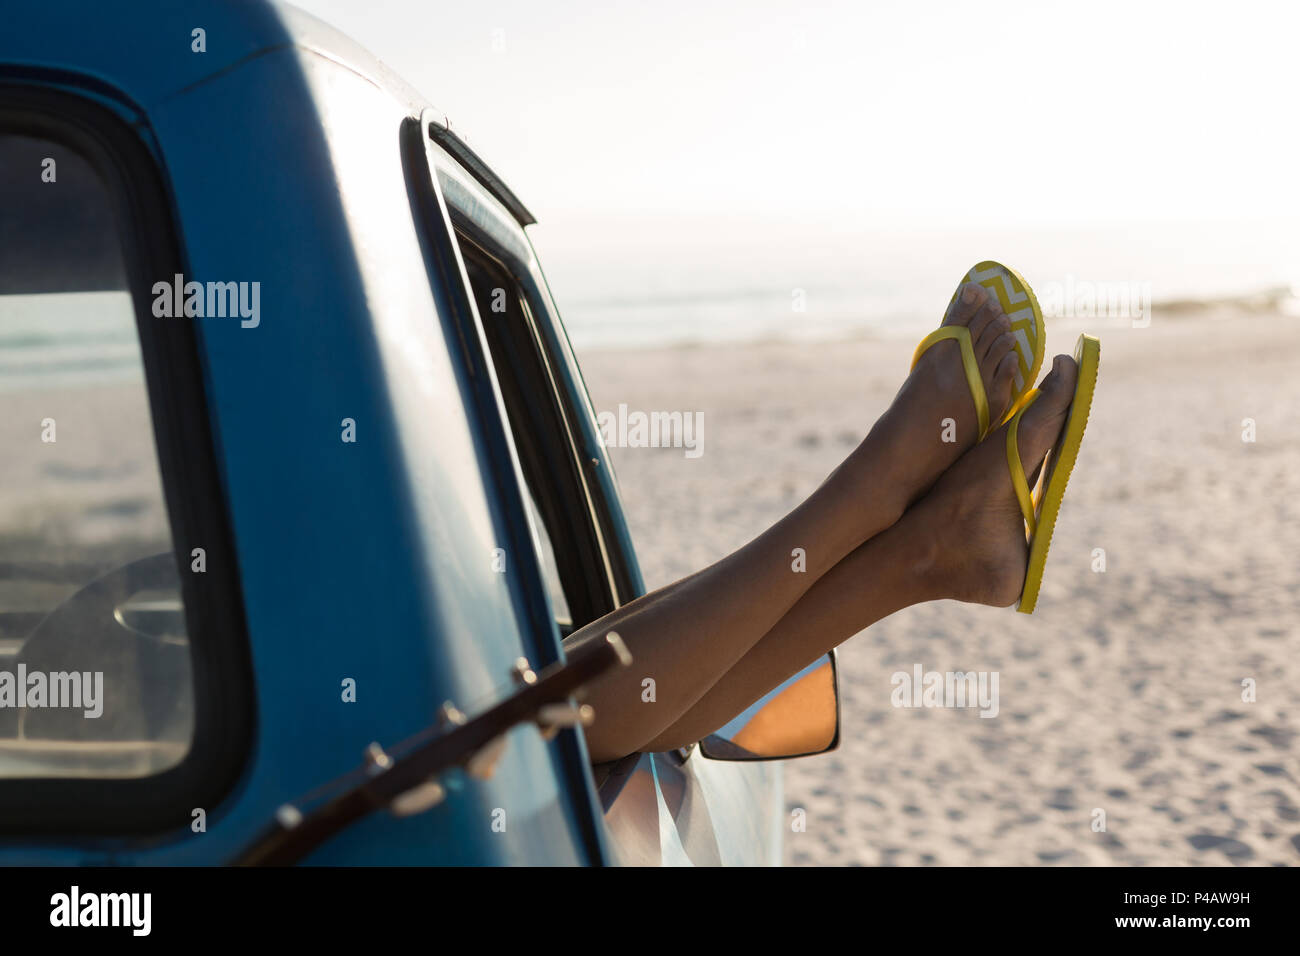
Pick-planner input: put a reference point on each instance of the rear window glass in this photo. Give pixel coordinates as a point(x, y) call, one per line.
point(95, 673)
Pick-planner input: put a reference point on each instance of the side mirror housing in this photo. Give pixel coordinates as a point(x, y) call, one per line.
point(798, 718)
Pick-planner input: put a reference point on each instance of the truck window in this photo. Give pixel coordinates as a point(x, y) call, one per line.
point(95, 675)
point(501, 310)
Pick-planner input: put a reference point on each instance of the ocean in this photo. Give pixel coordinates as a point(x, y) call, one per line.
point(777, 287)
point(708, 285)
point(68, 339)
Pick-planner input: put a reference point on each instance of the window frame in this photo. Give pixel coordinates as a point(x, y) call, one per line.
point(194, 497)
point(504, 240)
point(544, 438)
point(445, 221)
point(476, 215)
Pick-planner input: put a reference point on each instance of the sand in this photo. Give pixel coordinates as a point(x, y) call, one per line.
point(1123, 693)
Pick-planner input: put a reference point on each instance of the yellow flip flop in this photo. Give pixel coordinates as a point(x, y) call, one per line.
point(1040, 514)
point(1020, 305)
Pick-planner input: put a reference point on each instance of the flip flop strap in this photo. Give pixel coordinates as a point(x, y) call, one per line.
point(968, 364)
point(1017, 470)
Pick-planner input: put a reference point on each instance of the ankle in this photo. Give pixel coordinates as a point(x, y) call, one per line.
point(922, 555)
point(907, 467)
point(873, 494)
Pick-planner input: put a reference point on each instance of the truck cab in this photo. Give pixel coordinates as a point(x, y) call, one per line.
point(303, 467)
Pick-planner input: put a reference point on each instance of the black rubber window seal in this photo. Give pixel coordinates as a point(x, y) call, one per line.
point(221, 666)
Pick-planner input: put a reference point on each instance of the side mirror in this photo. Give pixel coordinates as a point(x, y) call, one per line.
point(798, 718)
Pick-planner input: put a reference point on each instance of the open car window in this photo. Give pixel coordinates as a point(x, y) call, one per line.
point(550, 567)
point(480, 259)
point(520, 369)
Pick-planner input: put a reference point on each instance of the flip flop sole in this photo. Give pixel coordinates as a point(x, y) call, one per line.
point(1058, 466)
point(1021, 306)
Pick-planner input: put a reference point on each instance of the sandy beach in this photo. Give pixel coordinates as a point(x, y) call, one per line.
point(1123, 693)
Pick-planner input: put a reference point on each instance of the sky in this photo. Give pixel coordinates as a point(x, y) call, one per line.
point(764, 126)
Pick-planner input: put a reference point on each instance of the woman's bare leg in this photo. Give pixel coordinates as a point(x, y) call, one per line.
point(686, 636)
point(890, 572)
point(965, 540)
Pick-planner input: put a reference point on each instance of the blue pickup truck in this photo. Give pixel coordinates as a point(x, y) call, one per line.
point(301, 488)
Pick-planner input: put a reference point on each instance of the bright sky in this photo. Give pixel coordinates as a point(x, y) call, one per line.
point(749, 117)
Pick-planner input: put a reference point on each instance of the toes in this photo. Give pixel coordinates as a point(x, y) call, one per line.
point(1004, 376)
point(1044, 419)
point(980, 324)
point(970, 298)
point(997, 326)
point(994, 340)
point(1058, 386)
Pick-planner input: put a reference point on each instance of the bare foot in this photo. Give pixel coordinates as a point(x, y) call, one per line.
point(932, 419)
point(979, 553)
